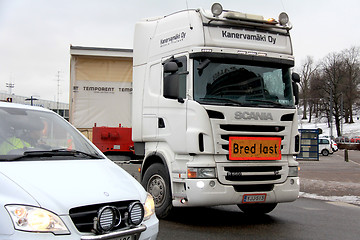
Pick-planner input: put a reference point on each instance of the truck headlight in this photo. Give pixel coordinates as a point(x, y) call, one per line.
point(149, 207)
point(293, 171)
point(34, 219)
point(201, 173)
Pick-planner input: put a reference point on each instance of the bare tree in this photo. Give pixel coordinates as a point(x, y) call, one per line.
point(317, 93)
point(351, 80)
point(330, 89)
point(307, 71)
point(333, 68)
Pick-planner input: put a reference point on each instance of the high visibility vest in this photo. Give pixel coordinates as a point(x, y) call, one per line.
point(11, 144)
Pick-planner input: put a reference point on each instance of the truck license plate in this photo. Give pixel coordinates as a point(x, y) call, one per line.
point(254, 198)
point(255, 148)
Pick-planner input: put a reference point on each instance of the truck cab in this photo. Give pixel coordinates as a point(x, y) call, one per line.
point(214, 110)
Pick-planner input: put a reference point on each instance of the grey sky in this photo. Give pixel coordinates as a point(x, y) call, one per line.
point(35, 35)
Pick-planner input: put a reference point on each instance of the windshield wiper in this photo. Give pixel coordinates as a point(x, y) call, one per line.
point(56, 152)
point(203, 65)
point(266, 101)
point(233, 102)
point(77, 152)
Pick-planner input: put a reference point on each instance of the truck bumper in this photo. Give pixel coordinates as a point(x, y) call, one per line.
point(209, 192)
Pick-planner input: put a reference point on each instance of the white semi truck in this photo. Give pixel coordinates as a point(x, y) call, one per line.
point(213, 110)
point(211, 101)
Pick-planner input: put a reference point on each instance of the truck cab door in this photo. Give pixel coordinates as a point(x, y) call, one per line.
point(172, 104)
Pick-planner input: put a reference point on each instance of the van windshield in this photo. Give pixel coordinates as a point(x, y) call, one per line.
point(27, 134)
point(240, 83)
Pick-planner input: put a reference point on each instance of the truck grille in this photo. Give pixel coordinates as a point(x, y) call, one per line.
point(222, 130)
point(250, 173)
point(247, 175)
point(256, 173)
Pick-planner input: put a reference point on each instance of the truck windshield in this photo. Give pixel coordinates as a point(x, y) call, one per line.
point(28, 135)
point(240, 83)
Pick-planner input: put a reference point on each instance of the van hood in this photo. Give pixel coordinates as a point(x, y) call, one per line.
point(61, 185)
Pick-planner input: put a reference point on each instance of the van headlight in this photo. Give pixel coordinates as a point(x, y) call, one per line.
point(34, 219)
point(149, 207)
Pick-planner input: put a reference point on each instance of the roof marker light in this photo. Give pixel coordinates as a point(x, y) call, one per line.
point(262, 54)
point(216, 9)
point(283, 19)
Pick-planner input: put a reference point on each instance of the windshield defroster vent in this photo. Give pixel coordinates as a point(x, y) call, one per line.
point(215, 114)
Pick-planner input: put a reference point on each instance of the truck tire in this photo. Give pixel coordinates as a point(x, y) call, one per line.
point(325, 152)
point(156, 181)
point(257, 208)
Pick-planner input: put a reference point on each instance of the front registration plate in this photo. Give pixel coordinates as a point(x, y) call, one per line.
point(124, 238)
point(254, 198)
point(255, 148)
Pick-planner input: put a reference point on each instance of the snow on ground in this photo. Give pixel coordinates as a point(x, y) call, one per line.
point(346, 199)
point(348, 130)
point(340, 190)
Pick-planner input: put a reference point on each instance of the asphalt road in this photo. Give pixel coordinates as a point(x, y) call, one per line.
point(302, 219)
point(332, 175)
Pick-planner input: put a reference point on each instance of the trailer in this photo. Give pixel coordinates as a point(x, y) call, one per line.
point(101, 95)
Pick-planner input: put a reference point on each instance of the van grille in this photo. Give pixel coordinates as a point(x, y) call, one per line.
point(83, 217)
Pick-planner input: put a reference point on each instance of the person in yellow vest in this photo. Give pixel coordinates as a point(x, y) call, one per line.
point(12, 144)
point(30, 137)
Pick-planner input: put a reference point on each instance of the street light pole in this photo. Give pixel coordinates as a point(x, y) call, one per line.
point(331, 109)
point(31, 99)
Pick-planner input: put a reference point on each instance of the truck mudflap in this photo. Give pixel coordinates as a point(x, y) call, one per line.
point(210, 192)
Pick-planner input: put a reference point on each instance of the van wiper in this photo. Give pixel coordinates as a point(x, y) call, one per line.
point(77, 152)
point(56, 152)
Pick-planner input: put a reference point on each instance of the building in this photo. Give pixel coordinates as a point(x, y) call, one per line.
point(59, 107)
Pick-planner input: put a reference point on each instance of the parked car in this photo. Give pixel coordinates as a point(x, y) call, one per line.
point(334, 146)
point(55, 184)
point(355, 139)
point(342, 139)
point(325, 146)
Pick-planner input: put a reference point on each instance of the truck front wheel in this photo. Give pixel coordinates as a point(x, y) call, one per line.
point(156, 181)
point(255, 208)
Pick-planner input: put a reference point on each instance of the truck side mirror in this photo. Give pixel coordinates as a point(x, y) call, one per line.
point(171, 86)
point(171, 67)
point(296, 92)
point(295, 77)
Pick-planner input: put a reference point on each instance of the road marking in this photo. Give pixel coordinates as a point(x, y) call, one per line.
point(354, 162)
point(344, 204)
point(312, 209)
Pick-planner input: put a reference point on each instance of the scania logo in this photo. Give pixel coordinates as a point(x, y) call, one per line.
point(253, 115)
